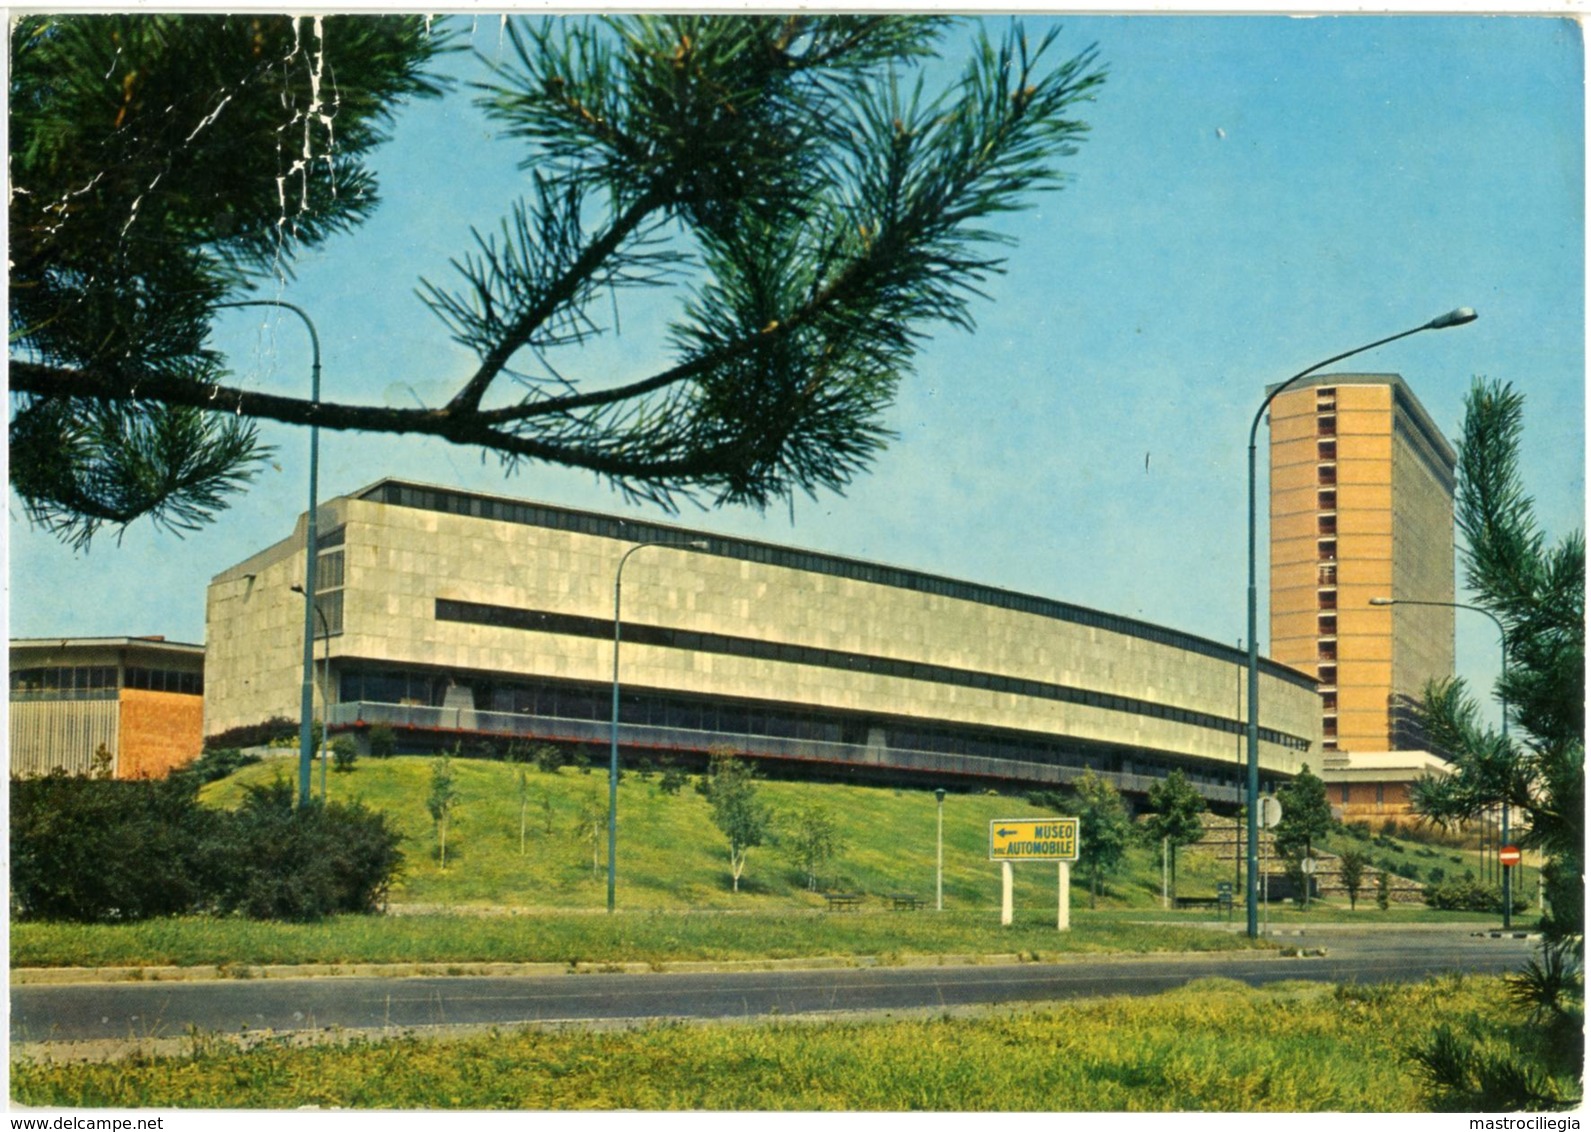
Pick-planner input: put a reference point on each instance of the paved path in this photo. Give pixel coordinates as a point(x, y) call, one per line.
point(87, 1012)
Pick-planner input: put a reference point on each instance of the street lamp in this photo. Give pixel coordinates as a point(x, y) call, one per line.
point(613, 748)
point(939, 884)
point(1502, 637)
point(325, 688)
point(1452, 318)
point(306, 709)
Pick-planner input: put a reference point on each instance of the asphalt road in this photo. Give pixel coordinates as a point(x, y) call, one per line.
point(122, 1011)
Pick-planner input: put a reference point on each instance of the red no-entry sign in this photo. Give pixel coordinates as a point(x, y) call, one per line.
point(1508, 855)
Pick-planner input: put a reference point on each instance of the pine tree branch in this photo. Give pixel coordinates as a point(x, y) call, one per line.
point(701, 466)
point(590, 263)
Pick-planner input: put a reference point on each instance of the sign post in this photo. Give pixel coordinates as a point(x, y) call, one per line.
point(1035, 839)
point(1270, 818)
point(1508, 856)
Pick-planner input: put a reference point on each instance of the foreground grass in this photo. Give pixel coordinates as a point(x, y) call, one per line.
point(571, 937)
point(1212, 1046)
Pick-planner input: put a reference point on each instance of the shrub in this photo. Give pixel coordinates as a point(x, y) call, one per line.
point(276, 860)
point(255, 734)
point(344, 753)
point(548, 758)
point(1468, 896)
point(216, 763)
point(673, 779)
point(87, 849)
point(292, 740)
point(383, 742)
point(95, 849)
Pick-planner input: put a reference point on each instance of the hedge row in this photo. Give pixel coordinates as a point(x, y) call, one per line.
point(95, 849)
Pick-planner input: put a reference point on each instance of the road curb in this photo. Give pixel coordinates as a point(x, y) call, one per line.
point(233, 972)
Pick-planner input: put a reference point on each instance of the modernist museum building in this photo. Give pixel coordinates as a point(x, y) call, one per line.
point(1361, 528)
point(453, 616)
point(131, 707)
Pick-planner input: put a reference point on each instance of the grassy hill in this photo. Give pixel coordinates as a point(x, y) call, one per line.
point(671, 855)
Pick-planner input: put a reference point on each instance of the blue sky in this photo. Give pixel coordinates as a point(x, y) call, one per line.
point(1256, 194)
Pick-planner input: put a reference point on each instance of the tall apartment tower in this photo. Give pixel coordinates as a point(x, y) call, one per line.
point(1362, 507)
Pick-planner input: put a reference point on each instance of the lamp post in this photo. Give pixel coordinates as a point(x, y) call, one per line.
point(613, 747)
point(939, 875)
point(325, 688)
point(306, 709)
point(1451, 318)
point(1502, 637)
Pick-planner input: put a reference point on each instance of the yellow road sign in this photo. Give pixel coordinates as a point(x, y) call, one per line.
point(1030, 839)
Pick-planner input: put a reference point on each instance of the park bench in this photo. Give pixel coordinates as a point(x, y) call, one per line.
point(1202, 901)
point(844, 901)
point(905, 901)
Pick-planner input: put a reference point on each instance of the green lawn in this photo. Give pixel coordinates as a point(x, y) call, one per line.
point(494, 903)
point(1211, 1046)
point(670, 854)
point(653, 937)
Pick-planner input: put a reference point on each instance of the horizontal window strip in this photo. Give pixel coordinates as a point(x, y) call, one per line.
point(566, 624)
point(497, 509)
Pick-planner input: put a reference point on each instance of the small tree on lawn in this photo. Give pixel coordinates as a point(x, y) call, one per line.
point(524, 806)
point(344, 753)
point(382, 741)
point(731, 791)
point(1103, 830)
point(1177, 818)
point(674, 778)
point(589, 824)
point(548, 758)
point(441, 802)
point(1306, 818)
point(1352, 873)
point(1383, 890)
point(812, 840)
